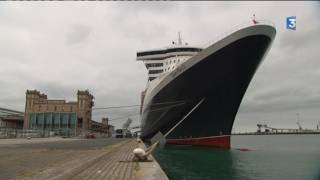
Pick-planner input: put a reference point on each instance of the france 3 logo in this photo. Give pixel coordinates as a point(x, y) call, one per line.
point(291, 23)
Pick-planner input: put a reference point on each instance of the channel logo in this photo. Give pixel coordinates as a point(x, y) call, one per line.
point(291, 23)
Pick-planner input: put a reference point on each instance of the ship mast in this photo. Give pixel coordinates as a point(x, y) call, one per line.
point(179, 38)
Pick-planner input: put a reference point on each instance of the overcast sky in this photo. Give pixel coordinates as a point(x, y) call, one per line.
point(60, 47)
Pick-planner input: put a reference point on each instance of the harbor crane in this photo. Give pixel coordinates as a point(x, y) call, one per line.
point(299, 125)
point(259, 127)
point(268, 128)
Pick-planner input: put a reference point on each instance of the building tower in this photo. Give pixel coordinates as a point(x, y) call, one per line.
point(85, 104)
point(32, 97)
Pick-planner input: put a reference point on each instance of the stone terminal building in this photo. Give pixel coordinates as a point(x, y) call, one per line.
point(60, 115)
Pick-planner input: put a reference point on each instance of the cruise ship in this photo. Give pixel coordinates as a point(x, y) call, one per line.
point(180, 76)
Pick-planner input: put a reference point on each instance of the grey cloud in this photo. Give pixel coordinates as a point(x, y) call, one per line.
point(287, 92)
point(154, 7)
point(78, 33)
point(295, 41)
point(282, 104)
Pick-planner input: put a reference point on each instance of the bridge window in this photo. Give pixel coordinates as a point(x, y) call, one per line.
point(154, 65)
point(155, 71)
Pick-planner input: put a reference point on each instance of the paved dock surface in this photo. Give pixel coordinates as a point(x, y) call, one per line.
point(76, 159)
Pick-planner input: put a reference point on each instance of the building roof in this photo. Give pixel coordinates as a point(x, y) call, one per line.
point(4, 111)
point(8, 114)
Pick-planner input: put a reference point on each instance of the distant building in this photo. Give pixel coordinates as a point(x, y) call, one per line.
point(11, 118)
point(111, 130)
point(103, 126)
point(41, 113)
point(105, 121)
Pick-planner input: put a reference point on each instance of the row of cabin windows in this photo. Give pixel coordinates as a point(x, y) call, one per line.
point(155, 71)
point(168, 51)
point(154, 65)
point(161, 64)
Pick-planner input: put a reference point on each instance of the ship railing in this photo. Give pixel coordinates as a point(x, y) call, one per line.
point(237, 28)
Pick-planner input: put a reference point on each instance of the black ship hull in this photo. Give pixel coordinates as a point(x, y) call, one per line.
point(222, 78)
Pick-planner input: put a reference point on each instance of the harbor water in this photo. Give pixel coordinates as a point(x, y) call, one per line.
point(252, 157)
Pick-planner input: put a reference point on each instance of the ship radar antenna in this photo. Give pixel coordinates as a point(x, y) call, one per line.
point(179, 40)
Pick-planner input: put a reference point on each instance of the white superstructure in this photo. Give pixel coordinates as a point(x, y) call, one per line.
point(161, 61)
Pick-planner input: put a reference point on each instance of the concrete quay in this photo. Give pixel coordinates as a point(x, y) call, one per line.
point(54, 158)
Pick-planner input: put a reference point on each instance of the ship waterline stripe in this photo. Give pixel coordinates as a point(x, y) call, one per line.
point(200, 137)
